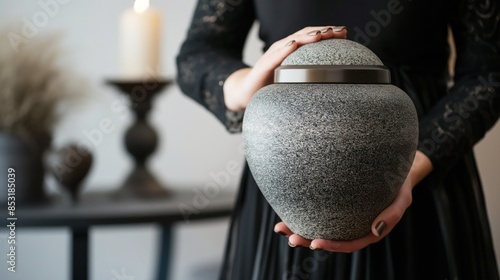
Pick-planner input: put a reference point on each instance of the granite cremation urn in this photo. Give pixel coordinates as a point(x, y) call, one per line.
point(331, 141)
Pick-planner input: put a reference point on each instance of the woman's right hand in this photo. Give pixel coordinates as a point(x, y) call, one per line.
point(241, 85)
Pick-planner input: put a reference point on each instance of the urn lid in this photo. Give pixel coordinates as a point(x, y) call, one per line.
point(332, 61)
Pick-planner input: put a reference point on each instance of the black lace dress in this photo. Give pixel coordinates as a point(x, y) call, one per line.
point(445, 234)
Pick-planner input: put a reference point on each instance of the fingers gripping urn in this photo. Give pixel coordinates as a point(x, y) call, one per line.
point(331, 141)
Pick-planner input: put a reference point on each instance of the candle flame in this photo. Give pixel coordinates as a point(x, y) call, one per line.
point(141, 5)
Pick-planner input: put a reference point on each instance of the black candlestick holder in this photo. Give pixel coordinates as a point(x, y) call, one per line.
point(141, 139)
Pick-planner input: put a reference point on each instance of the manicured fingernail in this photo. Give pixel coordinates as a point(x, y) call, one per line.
point(314, 33)
point(324, 30)
point(380, 227)
point(291, 245)
point(313, 248)
point(290, 43)
point(338, 28)
point(281, 233)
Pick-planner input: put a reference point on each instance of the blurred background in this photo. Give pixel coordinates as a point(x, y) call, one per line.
point(192, 144)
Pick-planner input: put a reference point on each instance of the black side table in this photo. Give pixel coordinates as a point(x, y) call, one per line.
point(104, 209)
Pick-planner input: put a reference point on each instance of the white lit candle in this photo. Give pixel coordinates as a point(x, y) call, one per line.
point(140, 42)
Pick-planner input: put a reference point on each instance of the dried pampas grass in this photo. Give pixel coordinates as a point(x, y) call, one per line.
point(35, 86)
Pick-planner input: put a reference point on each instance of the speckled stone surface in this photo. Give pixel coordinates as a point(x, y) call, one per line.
point(330, 157)
point(333, 52)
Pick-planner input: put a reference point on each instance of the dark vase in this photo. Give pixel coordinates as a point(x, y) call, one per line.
point(332, 141)
point(23, 159)
point(70, 165)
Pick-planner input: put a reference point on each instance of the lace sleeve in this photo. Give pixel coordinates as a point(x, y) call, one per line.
point(472, 106)
point(212, 51)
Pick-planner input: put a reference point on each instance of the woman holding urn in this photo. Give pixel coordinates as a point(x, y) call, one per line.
point(437, 227)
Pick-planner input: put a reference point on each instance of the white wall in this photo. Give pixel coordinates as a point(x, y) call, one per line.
point(192, 145)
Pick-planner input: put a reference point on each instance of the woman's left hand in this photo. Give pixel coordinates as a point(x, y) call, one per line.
point(381, 226)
